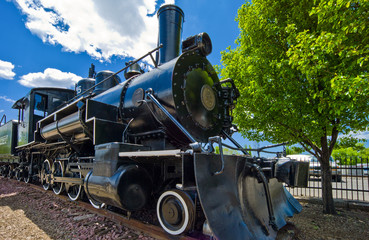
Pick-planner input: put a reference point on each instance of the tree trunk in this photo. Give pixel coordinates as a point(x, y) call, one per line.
point(327, 195)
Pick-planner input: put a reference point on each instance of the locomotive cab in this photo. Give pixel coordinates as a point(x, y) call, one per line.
point(37, 104)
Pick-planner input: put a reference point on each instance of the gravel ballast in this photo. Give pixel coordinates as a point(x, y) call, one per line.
point(26, 213)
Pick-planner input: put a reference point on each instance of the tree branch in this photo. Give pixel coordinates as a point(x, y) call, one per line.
point(333, 138)
point(302, 136)
point(307, 149)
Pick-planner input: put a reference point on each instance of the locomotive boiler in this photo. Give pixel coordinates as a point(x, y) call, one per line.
point(147, 143)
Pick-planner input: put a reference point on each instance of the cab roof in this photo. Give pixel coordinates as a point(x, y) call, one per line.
point(20, 102)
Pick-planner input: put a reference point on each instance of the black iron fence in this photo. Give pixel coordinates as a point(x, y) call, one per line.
point(350, 180)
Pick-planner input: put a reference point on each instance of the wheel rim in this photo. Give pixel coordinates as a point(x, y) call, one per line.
point(5, 171)
point(58, 172)
point(74, 192)
point(46, 169)
point(10, 173)
point(95, 204)
point(27, 178)
point(26, 175)
point(175, 211)
point(18, 175)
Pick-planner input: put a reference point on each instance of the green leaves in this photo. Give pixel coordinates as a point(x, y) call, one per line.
point(302, 69)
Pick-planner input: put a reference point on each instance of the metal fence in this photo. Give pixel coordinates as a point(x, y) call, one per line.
point(350, 182)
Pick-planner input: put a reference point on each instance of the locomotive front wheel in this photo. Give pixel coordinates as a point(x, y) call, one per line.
point(58, 187)
point(74, 192)
point(176, 212)
point(46, 169)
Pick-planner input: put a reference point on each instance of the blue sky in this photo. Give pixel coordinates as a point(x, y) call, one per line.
point(53, 43)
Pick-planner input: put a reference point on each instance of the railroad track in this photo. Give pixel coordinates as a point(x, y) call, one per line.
point(146, 228)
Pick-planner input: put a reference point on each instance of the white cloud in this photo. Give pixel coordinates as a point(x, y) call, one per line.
point(101, 28)
point(6, 70)
point(51, 77)
point(5, 98)
point(1, 111)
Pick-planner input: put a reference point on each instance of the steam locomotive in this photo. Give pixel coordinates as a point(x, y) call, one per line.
point(148, 142)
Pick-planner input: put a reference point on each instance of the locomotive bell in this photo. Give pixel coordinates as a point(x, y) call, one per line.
point(132, 70)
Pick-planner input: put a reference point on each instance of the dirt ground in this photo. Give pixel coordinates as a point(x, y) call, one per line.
point(26, 213)
point(311, 223)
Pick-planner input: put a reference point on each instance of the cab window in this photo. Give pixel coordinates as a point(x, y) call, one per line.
point(40, 105)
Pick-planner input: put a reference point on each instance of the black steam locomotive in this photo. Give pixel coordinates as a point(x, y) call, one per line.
point(148, 141)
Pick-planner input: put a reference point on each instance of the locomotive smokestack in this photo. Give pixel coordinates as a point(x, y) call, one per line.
point(170, 32)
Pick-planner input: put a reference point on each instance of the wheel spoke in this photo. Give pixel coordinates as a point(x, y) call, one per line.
point(18, 175)
point(46, 169)
point(58, 172)
point(74, 192)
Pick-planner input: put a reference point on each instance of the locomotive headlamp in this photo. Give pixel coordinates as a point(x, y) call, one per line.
point(200, 41)
point(208, 97)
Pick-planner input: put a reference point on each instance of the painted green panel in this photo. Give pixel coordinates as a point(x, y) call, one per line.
point(8, 134)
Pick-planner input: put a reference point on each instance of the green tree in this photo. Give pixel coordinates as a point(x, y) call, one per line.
point(302, 70)
point(226, 151)
point(294, 150)
point(350, 142)
point(350, 151)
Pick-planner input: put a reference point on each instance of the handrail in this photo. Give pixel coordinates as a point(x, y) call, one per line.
point(244, 150)
point(116, 73)
point(4, 117)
